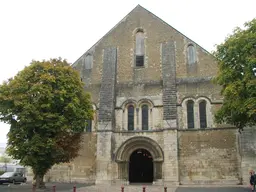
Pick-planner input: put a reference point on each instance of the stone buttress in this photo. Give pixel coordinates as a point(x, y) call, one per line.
point(170, 165)
point(106, 117)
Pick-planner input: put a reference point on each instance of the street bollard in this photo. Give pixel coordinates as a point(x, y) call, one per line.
point(33, 188)
point(122, 189)
point(74, 188)
point(53, 188)
point(144, 189)
point(165, 189)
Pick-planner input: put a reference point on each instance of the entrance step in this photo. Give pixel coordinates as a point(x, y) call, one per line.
point(127, 188)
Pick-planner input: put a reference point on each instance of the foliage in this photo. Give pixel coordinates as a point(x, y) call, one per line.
point(4, 159)
point(46, 107)
point(237, 75)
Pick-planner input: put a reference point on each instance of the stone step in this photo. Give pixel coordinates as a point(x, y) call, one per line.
point(129, 188)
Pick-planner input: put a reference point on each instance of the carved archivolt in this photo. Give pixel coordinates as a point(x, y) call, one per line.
point(129, 146)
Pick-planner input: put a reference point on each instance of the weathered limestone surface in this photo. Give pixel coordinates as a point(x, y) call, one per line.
point(106, 118)
point(104, 161)
point(169, 85)
point(82, 169)
point(107, 90)
point(248, 152)
point(170, 167)
point(209, 156)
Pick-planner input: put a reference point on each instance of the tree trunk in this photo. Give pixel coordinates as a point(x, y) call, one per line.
point(40, 182)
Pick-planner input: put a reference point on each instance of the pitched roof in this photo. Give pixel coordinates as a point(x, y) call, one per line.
point(136, 8)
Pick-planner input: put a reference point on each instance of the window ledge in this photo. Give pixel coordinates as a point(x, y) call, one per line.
point(139, 67)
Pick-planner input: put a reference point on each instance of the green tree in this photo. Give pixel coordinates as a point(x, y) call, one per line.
point(5, 159)
point(46, 107)
point(237, 75)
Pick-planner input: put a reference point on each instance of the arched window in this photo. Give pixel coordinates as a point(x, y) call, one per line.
point(130, 117)
point(190, 114)
point(202, 114)
point(140, 49)
point(191, 54)
point(88, 61)
point(88, 127)
point(144, 115)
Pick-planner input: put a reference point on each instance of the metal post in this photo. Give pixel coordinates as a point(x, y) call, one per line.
point(33, 188)
point(74, 188)
point(53, 188)
point(165, 189)
point(122, 189)
point(144, 189)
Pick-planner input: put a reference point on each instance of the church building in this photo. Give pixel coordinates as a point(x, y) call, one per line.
point(154, 103)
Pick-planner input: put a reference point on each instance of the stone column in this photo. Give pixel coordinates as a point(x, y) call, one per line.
point(106, 118)
point(122, 173)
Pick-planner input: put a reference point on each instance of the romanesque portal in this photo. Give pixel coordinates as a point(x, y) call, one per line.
point(140, 160)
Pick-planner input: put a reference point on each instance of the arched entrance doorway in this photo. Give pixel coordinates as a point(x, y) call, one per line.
point(129, 152)
point(141, 167)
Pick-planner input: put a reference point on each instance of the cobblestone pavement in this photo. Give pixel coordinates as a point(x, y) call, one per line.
point(214, 189)
point(66, 187)
point(161, 189)
point(135, 188)
point(60, 187)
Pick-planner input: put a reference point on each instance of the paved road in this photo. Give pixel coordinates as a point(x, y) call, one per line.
point(66, 187)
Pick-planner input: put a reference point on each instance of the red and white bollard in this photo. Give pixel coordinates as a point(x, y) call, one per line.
point(33, 188)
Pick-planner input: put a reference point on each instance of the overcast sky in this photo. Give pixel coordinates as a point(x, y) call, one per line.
point(43, 29)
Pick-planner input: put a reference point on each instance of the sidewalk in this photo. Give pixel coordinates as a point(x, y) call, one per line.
point(154, 188)
point(213, 186)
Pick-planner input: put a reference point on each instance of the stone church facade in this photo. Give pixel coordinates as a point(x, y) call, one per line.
point(153, 97)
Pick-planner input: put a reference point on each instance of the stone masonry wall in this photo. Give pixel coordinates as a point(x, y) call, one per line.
point(197, 91)
point(157, 32)
point(82, 169)
point(209, 156)
point(248, 152)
